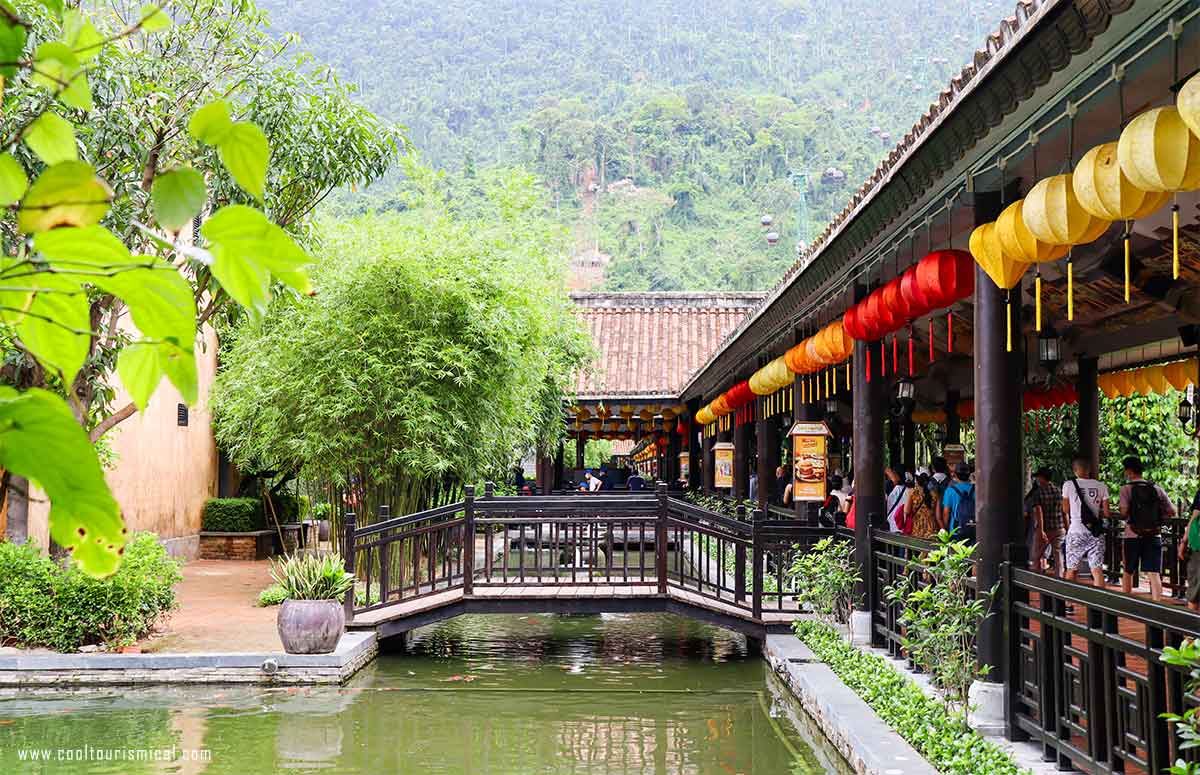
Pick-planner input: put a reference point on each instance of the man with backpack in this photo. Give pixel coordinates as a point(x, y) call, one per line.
point(1085, 504)
point(958, 505)
point(1145, 508)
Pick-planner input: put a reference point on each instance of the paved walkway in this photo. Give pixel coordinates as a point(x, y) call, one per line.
point(217, 610)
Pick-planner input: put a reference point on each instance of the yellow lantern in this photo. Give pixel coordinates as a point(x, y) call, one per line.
point(1158, 152)
point(646, 415)
point(1181, 373)
point(1122, 382)
point(705, 416)
point(1108, 385)
point(778, 374)
point(1188, 104)
point(1103, 189)
point(1052, 213)
point(1018, 243)
point(1156, 378)
point(985, 247)
point(1141, 382)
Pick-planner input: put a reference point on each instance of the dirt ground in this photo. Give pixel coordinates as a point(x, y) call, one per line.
point(217, 610)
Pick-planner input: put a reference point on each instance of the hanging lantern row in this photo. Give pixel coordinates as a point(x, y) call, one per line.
point(1033, 400)
point(1156, 156)
point(1160, 378)
point(938, 280)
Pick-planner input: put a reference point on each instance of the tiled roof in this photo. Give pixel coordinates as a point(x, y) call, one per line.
point(650, 344)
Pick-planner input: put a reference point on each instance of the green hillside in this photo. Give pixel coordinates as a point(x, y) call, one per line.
point(662, 129)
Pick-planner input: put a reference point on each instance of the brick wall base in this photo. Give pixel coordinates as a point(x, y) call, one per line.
point(256, 545)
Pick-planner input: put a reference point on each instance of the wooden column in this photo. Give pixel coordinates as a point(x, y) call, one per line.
point(694, 448)
point(767, 448)
point(870, 406)
point(559, 462)
point(908, 453)
point(953, 423)
point(580, 445)
point(999, 374)
point(741, 460)
point(1088, 426)
point(672, 467)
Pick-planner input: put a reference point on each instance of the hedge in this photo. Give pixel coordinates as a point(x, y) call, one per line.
point(44, 604)
point(233, 515)
point(923, 722)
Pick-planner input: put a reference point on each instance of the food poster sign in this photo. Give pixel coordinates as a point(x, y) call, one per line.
point(723, 472)
point(683, 466)
point(810, 460)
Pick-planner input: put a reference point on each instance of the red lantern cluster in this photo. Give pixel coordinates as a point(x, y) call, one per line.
point(938, 280)
point(1049, 399)
point(739, 395)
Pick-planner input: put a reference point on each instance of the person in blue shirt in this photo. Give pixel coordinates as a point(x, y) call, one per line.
point(956, 495)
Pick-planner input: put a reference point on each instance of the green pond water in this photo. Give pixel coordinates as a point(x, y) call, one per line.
point(495, 695)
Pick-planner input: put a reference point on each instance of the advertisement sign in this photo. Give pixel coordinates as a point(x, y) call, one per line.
point(810, 461)
point(683, 466)
point(723, 473)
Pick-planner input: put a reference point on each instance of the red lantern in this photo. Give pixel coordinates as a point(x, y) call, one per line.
point(946, 276)
point(877, 318)
point(853, 324)
point(897, 305)
point(911, 290)
point(739, 395)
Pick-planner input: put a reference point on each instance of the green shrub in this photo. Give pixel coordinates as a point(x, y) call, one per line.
point(312, 577)
point(1187, 724)
point(273, 594)
point(233, 515)
point(287, 508)
point(923, 722)
point(825, 578)
point(43, 604)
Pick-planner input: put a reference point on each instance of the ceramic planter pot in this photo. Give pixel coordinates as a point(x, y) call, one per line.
point(310, 626)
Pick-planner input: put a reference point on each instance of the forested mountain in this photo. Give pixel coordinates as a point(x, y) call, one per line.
point(663, 129)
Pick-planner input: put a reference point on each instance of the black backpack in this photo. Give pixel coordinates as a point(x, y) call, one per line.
point(1145, 509)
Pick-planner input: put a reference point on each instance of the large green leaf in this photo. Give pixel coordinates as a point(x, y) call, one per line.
point(57, 69)
point(54, 324)
point(160, 302)
point(40, 440)
point(12, 180)
point(52, 138)
point(177, 197)
point(247, 248)
point(210, 123)
point(67, 194)
point(140, 369)
point(244, 152)
point(154, 18)
point(92, 247)
point(81, 35)
point(180, 366)
point(12, 46)
point(55, 6)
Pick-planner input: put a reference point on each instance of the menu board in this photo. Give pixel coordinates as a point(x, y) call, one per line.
point(684, 467)
point(810, 461)
point(723, 472)
point(954, 454)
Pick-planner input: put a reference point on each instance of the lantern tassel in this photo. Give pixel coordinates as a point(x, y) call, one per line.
point(868, 363)
point(1008, 320)
point(949, 332)
point(1070, 288)
point(931, 340)
point(1175, 241)
point(1037, 299)
point(848, 374)
point(911, 370)
point(1126, 265)
point(895, 354)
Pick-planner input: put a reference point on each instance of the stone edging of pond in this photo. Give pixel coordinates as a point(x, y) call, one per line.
point(28, 671)
point(868, 744)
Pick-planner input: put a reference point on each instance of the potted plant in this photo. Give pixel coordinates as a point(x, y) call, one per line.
point(311, 618)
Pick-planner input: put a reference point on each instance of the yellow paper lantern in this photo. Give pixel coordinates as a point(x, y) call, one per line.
point(1155, 200)
point(1156, 378)
point(1158, 152)
point(1103, 189)
point(1181, 373)
point(778, 374)
point(1141, 382)
point(1122, 382)
point(1188, 104)
point(704, 416)
point(985, 247)
point(1018, 243)
point(646, 415)
point(1108, 385)
point(1052, 213)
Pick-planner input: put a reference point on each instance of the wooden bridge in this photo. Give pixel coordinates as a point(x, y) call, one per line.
point(578, 553)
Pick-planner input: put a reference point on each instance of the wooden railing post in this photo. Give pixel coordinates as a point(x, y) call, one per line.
point(756, 605)
point(385, 559)
point(348, 562)
point(660, 538)
point(468, 556)
point(489, 489)
point(739, 561)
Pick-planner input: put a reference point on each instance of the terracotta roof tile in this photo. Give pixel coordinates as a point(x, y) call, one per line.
point(650, 344)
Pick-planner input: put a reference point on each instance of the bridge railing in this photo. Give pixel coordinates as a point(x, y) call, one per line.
point(646, 539)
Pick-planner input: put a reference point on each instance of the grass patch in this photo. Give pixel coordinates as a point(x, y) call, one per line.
point(923, 722)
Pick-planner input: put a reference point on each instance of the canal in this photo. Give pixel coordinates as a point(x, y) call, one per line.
point(494, 695)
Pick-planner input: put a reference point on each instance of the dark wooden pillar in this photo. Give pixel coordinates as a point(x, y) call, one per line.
point(710, 463)
point(672, 467)
point(694, 448)
point(559, 454)
point(766, 437)
point(741, 459)
point(870, 406)
point(908, 453)
point(953, 423)
point(998, 383)
point(1089, 412)
point(580, 445)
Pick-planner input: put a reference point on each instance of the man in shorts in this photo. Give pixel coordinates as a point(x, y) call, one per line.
point(1048, 506)
point(1081, 544)
point(1191, 545)
point(1142, 552)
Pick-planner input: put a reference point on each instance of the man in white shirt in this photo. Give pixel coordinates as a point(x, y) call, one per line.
point(1081, 543)
point(593, 482)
